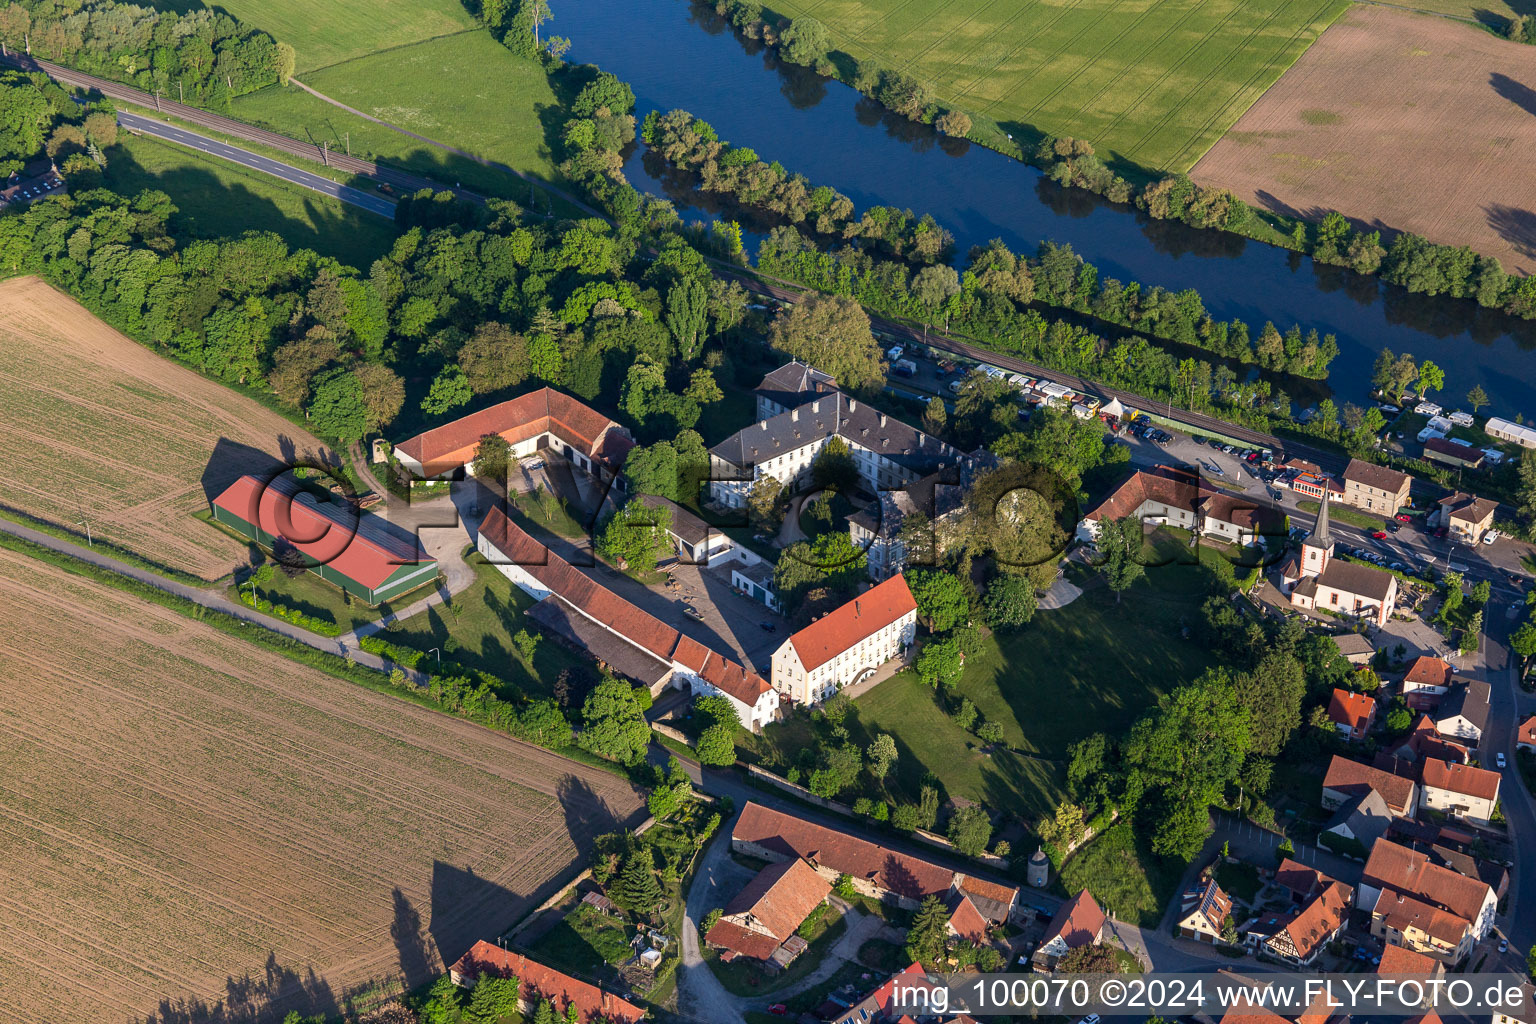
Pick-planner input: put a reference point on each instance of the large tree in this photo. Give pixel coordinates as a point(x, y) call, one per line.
point(634, 537)
point(942, 601)
point(383, 393)
point(970, 830)
point(831, 333)
point(494, 358)
point(1119, 543)
point(929, 932)
point(613, 723)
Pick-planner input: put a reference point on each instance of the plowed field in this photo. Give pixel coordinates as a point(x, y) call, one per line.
point(186, 821)
point(96, 427)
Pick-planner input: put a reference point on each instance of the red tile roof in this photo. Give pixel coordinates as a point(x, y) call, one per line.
point(1424, 740)
point(1300, 879)
point(1402, 912)
point(966, 920)
point(1319, 919)
point(1427, 671)
point(789, 836)
point(536, 981)
point(1351, 710)
point(545, 411)
point(1397, 867)
point(1527, 731)
point(1353, 778)
point(875, 1004)
point(859, 619)
point(769, 909)
point(989, 890)
point(1401, 960)
point(1459, 778)
point(360, 546)
point(602, 605)
point(1079, 922)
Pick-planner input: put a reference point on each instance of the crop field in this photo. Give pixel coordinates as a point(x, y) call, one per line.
point(190, 821)
point(337, 30)
point(1387, 108)
point(98, 428)
point(218, 199)
point(1153, 82)
point(464, 90)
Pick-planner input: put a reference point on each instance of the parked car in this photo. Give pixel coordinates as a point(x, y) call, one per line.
point(1379, 534)
point(894, 353)
point(1197, 439)
point(1503, 943)
point(956, 385)
point(1392, 527)
point(1491, 536)
point(1500, 760)
point(1404, 517)
point(779, 1010)
point(768, 627)
point(1440, 532)
point(533, 464)
point(689, 609)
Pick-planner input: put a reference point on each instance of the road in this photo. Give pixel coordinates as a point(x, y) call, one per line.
point(1508, 706)
point(369, 201)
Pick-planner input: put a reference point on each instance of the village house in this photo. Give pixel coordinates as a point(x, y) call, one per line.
point(537, 983)
point(1423, 740)
point(1320, 582)
point(1347, 779)
point(880, 1005)
point(635, 643)
point(1525, 735)
point(693, 540)
point(1204, 911)
point(1354, 648)
point(363, 554)
point(1404, 962)
point(1310, 481)
point(887, 453)
point(1297, 941)
point(1399, 887)
point(1362, 820)
point(1463, 712)
point(1174, 497)
point(1458, 789)
point(847, 644)
point(1352, 714)
point(1512, 1016)
point(760, 922)
point(1375, 488)
point(1467, 517)
point(1303, 883)
point(875, 871)
point(1078, 922)
point(1426, 682)
point(965, 921)
point(791, 385)
point(876, 529)
point(540, 420)
point(1453, 453)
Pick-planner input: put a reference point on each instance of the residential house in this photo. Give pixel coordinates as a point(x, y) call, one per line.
point(1463, 712)
point(1404, 920)
point(876, 871)
point(538, 982)
point(1176, 497)
point(937, 500)
point(1354, 648)
point(1424, 741)
point(965, 921)
point(1347, 779)
point(1375, 488)
point(640, 646)
point(1490, 871)
point(1299, 940)
point(1508, 430)
point(882, 1004)
point(1079, 922)
point(1352, 713)
point(1527, 1015)
point(692, 539)
point(539, 420)
point(1363, 820)
point(1453, 453)
point(1426, 682)
point(791, 385)
point(753, 578)
point(993, 901)
point(1401, 961)
point(1392, 869)
point(847, 644)
point(887, 453)
point(1467, 517)
point(764, 915)
point(1319, 582)
point(1525, 735)
point(1302, 882)
point(1458, 789)
point(1204, 911)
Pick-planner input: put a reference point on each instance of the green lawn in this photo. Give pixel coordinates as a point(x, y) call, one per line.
point(500, 111)
point(1155, 84)
point(217, 198)
point(337, 30)
point(1345, 514)
point(584, 941)
point(1123, 875)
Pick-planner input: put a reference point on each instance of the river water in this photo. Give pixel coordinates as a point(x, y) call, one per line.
point(678, 54)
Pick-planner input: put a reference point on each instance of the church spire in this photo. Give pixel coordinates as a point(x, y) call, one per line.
point(1320, 537)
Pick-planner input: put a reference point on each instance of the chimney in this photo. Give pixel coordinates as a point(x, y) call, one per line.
point(882, 419)
point(816, 406)
point(763, 424)
point(853, 406)
point(856, 609)
point(794, 416)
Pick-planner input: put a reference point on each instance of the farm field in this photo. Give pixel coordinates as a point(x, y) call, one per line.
point(191, 821)
point(216, 198)
point(495, 113)
point(1154, 84)
point(337, 30)
point(1341, 132)
point(129, 440)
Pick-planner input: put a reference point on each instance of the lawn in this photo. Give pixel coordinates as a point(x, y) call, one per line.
point(501, 112)
point(1345, 514)
point(1093, 666)
point(217, 198)
point(584, 941)
point(1154, 84)
point(1123, 875)
point(338, 30)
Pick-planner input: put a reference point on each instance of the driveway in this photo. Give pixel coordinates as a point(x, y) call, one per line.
point(718, 878)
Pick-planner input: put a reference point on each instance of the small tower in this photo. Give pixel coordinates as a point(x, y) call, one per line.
point(1038, 873)
point(1317, 549)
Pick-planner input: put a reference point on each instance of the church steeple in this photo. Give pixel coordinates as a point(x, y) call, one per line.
point(1317, 549)
point(1320, 536)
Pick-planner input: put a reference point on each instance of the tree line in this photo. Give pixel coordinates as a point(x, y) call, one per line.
point(38, 118)
point(204, 56)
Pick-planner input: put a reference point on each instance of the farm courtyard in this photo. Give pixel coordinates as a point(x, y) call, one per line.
point(126, 441)
point(190, 821)
point(1446, 106)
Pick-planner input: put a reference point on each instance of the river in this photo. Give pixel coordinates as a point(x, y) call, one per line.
point(677, 54)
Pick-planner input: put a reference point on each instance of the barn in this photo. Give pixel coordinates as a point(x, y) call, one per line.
point(368, 557)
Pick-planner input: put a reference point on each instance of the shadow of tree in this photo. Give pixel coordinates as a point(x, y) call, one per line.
point(1515, 226)
point(1518, 93)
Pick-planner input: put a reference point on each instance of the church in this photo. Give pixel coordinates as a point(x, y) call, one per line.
point(1319, 582)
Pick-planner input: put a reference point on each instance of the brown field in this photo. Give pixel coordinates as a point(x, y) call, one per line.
point(95, 425)
point(1400, 121)
point(188, 821)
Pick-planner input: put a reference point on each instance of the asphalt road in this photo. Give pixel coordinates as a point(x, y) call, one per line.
point(304, 179)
